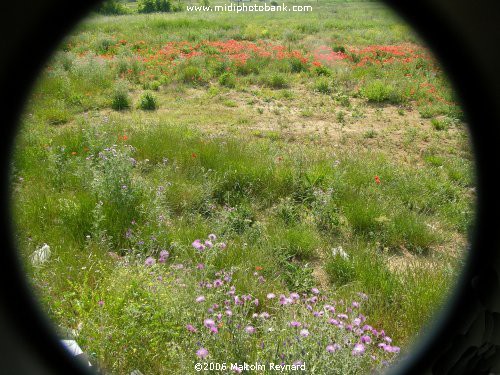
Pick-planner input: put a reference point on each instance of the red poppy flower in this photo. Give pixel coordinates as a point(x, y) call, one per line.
point(377, 179)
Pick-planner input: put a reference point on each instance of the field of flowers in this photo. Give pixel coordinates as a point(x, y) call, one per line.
point(293, 189)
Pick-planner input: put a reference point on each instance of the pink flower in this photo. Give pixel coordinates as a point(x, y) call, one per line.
point(358, 349)
point(208, 323)
point(200, 266)
point(190, 328)
point(332, 348)
point(295, 324)
point(209, 244)
point(200, 299)
point(315, 290)
point(271, 295)
point(212, 237)
point(366, 339)
point(222, 245)
point(149, 261)
point(249, 329)
point(202, 353)
point(304, 332)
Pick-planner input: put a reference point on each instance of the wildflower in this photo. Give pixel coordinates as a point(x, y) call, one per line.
point(294, 296)
point(200, 266)
point(256, 302)
point(340, 252)
point(355, 305)
point(261, 280)
point(318, 314)
point(214, 329)
point(377, 179)
point(366, 339)
point(198, 245)
point(149, 261)
point(332, 348)
point(237, 370)
point(356, 322)
point(342, 316)
point(202, 353)
point(391, 349)
point(222, 245)
point(335, 322)
point(208, 323)
point(304, 332)
point(388, 339)
point(229, 313)
point(298, 363)
point(218, 283)
point(191, 328)
point(101, 303)
point(264, 315)
point(209, 244)
point(258, 268)
point(315, 291)
point(212, 237)
point(200, 299)
point(358, 349)
point(193, 155)
point(271, 295)
point(249, 329)
point(295, 324)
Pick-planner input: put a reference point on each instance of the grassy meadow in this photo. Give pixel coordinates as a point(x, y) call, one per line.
point(294, 188)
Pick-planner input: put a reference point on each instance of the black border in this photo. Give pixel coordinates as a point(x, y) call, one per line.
point(464, 35)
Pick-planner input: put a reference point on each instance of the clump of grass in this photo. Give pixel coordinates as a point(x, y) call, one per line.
point(323, 86)
point(276, 81)
point(120, 99)
point(379, 91)
point(191, 74)
point(228, 80)
point(148, 102)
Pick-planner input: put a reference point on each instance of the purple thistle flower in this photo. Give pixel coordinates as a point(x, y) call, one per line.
point(342, 316)
point(271, 295)
point(332, 348)
point(358, 349)
point(218, 283)
point(229, 313)
point(249, 329)
point(355, 305)
point(256, 302)
point(304, 332)
point(356, 322)
point(212, 237)
point(101, 303)
point(202, 353)
point(264, 315)
point(209, 244)
point(295, 324)
point(387, 339)
point(200, 299)
point(294, 296)
point(149, 261)
point(366, 339)
point(213, 329)
point(315, 291)
point(392, 349)
point(335, 322)
point(208, 323)
point(222, 245)
point(200, 266)
point(191, 328)
point(261, 280)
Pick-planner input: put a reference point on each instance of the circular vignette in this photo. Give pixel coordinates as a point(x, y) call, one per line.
point(462, 34)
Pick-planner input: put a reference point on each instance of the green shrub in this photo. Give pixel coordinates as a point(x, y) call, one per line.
point(323, 86)
point(191, 74)
point(322, 71)
point(152, 6)
point(439, 124)
point(340, 271)
point(380, 91)
point(111, 7)
point(297, 65)
point(276, 81)
point(228, 80)
point(148, 102)
point(120, 99)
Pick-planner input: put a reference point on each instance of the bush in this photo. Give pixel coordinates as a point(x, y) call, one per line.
point(276, 81)
point(323, 86)
point(341, 271)
point(148, 102)
point(322, 71)
point(379, 91)
point(227, 80)
point(152, 6)
point(120, 99)
point(191, 74)
point(110, 7)
point(298, 65)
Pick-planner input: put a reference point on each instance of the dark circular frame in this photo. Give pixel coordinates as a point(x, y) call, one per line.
point(465, 37)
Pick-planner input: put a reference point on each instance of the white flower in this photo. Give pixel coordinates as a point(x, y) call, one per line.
point(340, 252)
point(40, 255)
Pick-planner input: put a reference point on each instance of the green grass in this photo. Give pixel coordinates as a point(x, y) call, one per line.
point(128, 152)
